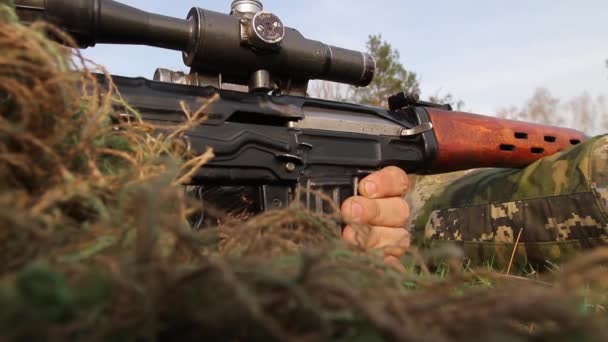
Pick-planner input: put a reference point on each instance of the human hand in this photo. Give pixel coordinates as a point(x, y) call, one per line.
point(381, 206)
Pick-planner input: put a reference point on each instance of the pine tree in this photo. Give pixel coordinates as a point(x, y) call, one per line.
point(391, 77)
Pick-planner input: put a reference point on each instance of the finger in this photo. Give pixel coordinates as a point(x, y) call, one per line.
point(394, 241)
point(396, 251)
point(387, 212)
point(388, 182)
point(395, 263)
point(350, 235)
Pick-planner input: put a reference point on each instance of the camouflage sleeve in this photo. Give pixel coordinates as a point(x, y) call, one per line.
point(556, 206)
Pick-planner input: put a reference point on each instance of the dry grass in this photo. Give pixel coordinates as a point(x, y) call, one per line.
point(95, 243)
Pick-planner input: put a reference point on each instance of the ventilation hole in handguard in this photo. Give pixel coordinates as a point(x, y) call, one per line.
point(537, 150)
point(521, 135)
point(507, 148)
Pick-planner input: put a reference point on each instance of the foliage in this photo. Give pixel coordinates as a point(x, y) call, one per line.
point(447, 99)
point(331, 91)
point(391, 77)
point(581, 112)
point(540, 108)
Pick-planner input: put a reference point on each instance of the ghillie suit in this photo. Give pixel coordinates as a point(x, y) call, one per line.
point(66, 161)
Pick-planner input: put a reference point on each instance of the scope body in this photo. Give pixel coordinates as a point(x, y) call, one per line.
point(220, 49)
point(211, 42)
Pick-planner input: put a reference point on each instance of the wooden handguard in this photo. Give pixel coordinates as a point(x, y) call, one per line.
point(472, 141)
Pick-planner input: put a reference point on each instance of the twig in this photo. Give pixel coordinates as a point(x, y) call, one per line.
point(514, 249)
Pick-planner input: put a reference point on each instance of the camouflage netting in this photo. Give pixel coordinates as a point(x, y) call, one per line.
point(95, 244)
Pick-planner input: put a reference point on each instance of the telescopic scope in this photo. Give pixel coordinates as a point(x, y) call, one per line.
point(236, 45)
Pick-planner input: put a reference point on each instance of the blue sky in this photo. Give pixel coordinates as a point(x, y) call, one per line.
point(490, 54)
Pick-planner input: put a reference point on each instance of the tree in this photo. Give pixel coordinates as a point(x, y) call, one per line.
point(447, 99)
point(602, 109)
point(330, 91)
point(542, 108)
point(511, 113)
point(583, 112)
point(391, 77)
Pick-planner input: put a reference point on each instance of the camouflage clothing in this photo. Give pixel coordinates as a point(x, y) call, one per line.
point(556, 206)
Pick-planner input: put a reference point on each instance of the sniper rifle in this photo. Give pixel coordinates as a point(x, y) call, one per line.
point(263, 128)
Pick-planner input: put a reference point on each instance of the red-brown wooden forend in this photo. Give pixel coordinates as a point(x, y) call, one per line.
point(471, 141)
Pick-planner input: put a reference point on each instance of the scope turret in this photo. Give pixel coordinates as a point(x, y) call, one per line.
point(238, 46)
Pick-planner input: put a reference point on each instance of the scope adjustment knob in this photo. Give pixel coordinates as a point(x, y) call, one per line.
point(265, 31)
